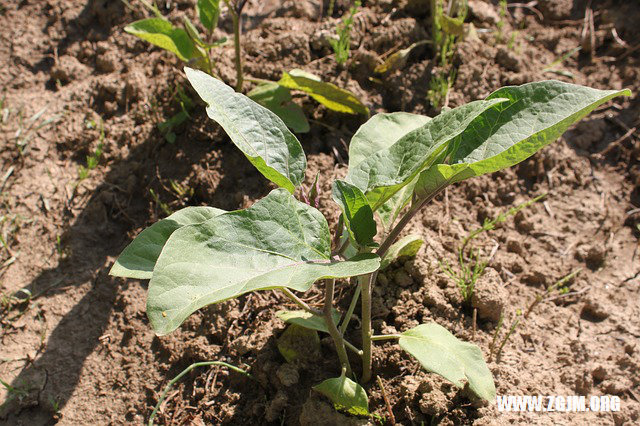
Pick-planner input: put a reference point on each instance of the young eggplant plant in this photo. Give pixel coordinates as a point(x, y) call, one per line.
point(398, 163)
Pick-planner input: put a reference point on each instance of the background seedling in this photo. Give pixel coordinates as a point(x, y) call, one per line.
point(202, 255)
point(93, 159)
point(558, 287)
point(447, 25)
point(188, 45)
point(342, 45)
point(470, 265)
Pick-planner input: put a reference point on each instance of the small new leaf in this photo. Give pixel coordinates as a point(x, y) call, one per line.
point(407, 246)
point(259, 133)
point(327, 94)
point(346, 395)
point(442, 353)
point(278, 99)
point(139, 257)
point(307, 319)
point(208, 13)
point(398, 59)
point(356, 211)
point(160, 32)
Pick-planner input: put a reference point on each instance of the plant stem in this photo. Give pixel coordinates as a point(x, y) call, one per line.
point(385, 337)
point(366, 281)
point(331, 326)
point(236, 42)
point(352, 307)
point(301, 302)
point(352, 348)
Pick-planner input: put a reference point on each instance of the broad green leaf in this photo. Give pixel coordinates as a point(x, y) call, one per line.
point(208, 13)
point(327, 94)
point(346, 395)
point(278, 99)
point(389, 211)
point(442, 353)
point(406, 246)
point(398, 59)
point(139, 257)
point(299, 343)
point(307, 319)
point(380, 132)
point(384, 173)
point(259, 133)
point(160, 32)
point(535, 115)
point(356, 211)
point(278, 242)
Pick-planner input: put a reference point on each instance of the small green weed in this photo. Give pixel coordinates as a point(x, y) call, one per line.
point(93, 159)
point(470, 265)
point(341, 46)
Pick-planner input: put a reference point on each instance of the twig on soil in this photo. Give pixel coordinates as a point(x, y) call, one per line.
point(529, 6)
point(392, 418)
point(163, 396)
point(615, 143)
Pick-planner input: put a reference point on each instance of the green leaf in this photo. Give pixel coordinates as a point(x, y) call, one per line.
point(389, 211)
point(452, 26)
point(208, 13)
point(307, 319)
point(535, 115)
point(385, 172)
point(160, 32)
point(299, 342)
point(327, 94)
point(407, 246)
point(356, 211)
point(442, 353)
point(346, 395)
point(193, 32)
point(259, 133)
point(278, 242)
point(398, 59)
point(380, 132)
point(278, 99)
point(139, 257)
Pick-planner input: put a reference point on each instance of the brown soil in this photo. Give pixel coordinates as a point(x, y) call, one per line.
point(81, 351)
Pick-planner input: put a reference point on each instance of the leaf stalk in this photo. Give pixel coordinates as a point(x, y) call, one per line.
point(337, 337)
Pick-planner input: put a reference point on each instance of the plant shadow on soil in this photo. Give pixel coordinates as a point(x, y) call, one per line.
point(99, 233)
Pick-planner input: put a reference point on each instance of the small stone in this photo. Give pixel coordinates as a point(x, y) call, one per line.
point(276, 406)
point(484, 12)
point(107, 62)
point(489, 295)
point(523, 224)
point(599, 373)
point(68, 69)
point(595, 256)
point(288, 374)
point(402, 278)
point(593, 310)
point(514, 246)
point(508, 59)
